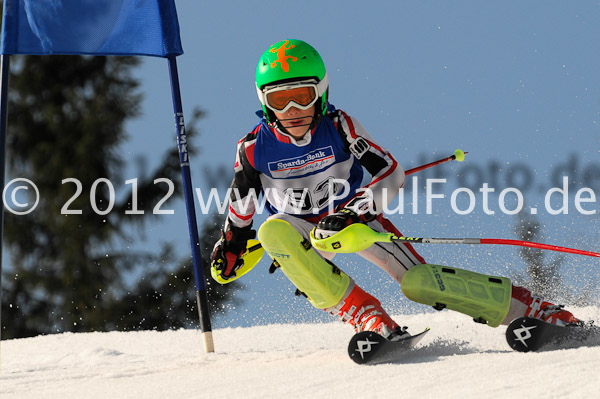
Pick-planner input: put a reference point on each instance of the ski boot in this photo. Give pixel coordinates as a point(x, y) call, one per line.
point(550, 313)
point(365, 313)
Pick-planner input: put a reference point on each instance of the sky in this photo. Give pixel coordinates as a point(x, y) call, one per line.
point(514, 83)
point(456, 359)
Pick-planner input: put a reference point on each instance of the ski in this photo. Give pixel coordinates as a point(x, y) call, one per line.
point(527, 334)
point(368, 347)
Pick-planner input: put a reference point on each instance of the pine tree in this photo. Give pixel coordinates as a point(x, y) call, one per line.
point(542, 275)
point(66, 271)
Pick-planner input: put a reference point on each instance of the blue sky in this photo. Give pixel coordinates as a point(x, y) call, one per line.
point(514, 83)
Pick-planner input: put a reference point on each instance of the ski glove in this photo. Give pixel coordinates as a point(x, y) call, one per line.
point(227, 251)
point(357, 210)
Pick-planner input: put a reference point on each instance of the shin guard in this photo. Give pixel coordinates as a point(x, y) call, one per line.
point(485, 298)
point(321, 281)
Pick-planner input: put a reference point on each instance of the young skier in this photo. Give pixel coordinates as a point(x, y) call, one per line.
point(307, 158)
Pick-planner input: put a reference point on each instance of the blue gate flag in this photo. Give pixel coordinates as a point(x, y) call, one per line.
point(93, 27)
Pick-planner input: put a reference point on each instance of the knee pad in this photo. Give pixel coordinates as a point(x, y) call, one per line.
point(320, 280)
point(485, 298)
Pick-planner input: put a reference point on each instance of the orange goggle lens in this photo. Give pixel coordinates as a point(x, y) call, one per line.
point(304, 96)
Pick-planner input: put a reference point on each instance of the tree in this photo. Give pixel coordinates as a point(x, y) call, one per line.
point(163, 300)
point(542, 275)
point(67, 271)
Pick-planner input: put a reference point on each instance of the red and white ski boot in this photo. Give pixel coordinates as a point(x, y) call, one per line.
point(550, 313)
point(364, 312)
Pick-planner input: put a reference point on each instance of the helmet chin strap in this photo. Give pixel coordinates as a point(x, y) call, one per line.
point(313, 121)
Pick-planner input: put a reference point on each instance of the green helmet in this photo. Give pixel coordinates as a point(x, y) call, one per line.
point(289, 61)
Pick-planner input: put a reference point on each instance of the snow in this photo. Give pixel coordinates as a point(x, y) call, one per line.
point(457, 358)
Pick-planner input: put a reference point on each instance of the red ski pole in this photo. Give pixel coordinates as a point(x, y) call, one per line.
point(529, 244)
point(495, 241)
point(459, 155)
point(358, 237)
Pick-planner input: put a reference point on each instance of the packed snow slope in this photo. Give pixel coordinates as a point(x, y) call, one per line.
point(458, 358)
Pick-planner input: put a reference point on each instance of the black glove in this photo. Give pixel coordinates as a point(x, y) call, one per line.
point(227, 251)
point(357, 210)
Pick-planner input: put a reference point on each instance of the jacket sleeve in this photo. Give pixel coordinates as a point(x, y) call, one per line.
point(246, 186)
point(387, 176)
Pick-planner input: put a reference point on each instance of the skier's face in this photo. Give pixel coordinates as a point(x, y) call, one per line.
point(296, 121)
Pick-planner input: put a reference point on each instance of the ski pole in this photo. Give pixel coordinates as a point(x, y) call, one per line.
point(358, 237)
point(458, 155)
point(250, 259)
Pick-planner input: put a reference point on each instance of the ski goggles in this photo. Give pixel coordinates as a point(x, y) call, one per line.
point(299, 95)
